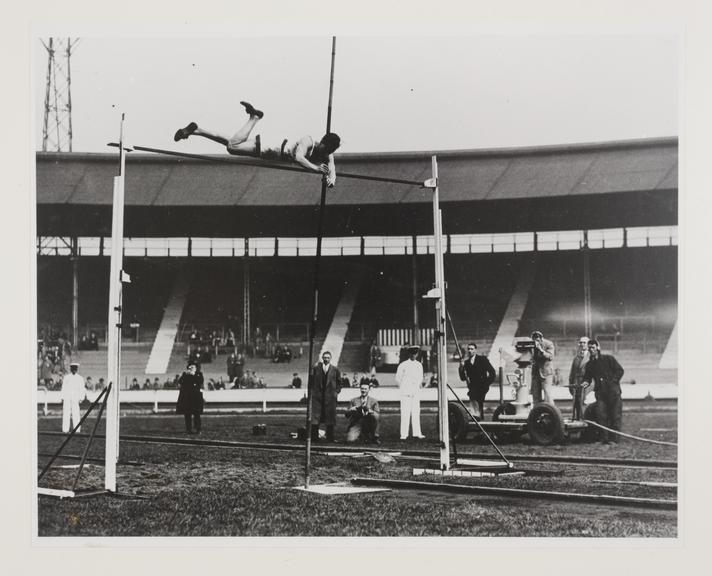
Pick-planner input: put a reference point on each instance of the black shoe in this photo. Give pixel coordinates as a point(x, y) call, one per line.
point(183, 133)
point(251, 110)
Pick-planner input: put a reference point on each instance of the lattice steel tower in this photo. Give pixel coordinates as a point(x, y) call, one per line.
point(57, 125)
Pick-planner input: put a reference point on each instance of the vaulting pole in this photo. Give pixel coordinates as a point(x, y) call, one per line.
point(315, 305)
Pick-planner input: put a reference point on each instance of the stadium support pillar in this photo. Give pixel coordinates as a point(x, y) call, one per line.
point(587, 316)
point(416, 320)
point(441, 324)
point(114, 324)
point(75, 293)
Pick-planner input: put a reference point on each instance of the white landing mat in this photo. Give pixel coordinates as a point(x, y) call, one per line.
point(340, 489)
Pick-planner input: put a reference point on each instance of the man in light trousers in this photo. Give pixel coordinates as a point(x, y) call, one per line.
point(73, 392)
point(409, 378)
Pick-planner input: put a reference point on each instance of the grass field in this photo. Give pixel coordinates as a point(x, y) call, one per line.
point(172, 490)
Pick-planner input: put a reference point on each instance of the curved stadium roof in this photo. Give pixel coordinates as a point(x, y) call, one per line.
point(554, 187)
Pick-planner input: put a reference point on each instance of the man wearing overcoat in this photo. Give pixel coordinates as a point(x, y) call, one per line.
point(325, 385)
point(190, 398)
point(606, 372)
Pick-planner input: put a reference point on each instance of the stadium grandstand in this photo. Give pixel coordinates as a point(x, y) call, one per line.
point(221, 257)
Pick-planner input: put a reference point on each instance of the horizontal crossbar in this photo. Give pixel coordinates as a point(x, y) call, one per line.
point(260, 163)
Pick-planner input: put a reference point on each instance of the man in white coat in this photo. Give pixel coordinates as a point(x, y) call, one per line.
point(73, 392)
point(409, 378)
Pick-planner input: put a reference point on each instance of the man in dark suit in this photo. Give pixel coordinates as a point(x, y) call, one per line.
point(190, 398)
point(478, 372)
point(325, 385)
point(605, 371)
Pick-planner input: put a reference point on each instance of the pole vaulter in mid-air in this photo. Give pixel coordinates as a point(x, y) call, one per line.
point(314, 156)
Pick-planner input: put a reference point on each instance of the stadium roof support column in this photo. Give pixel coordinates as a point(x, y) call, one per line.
point(416, 321)
point(587, 316)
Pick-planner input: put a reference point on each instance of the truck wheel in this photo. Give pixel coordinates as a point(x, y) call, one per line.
point(458, 419)
point(591, 433)
point(545, 424)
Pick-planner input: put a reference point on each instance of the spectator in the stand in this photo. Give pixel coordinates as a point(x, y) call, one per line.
point(269, 345)
point(605, 371)
point(220, 383)
point(365, 379)
point(325, 381)
point(355, 381)
point(205, 355)
point(89, 383)
point(210, 384)
point(93, 341)
point(374, 354)
point(232, 367)
point(281, 354)
point(147, 384)
point(345, 382)
point(296, 381)
point(156, 384)
point(176, 382)
point(194, 354)
point(404, 352)
point(259, 342)
point(190, 398)
point(578, 367)
point(46, 369)
point(542, 369)
point(259, 382)
point(100, 385)
point(479, 374)
point(135, 385)
point(409, 378)
point(433, 381)
point(363, 415)
point(73, 392)
point(373, 381)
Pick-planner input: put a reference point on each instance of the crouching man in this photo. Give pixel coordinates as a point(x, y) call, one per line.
point(363, 415)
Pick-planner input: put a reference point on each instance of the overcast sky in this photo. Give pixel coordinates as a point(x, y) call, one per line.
point(390, 93)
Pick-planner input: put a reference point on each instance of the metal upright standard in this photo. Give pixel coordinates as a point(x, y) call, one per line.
point(441, 321)
point(114, 323)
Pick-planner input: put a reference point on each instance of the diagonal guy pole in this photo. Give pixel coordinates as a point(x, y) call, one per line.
point(315, 304)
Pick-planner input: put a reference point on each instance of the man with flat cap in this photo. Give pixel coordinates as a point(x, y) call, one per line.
point(542, 368)
point(73, 392)
point(409, 378)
